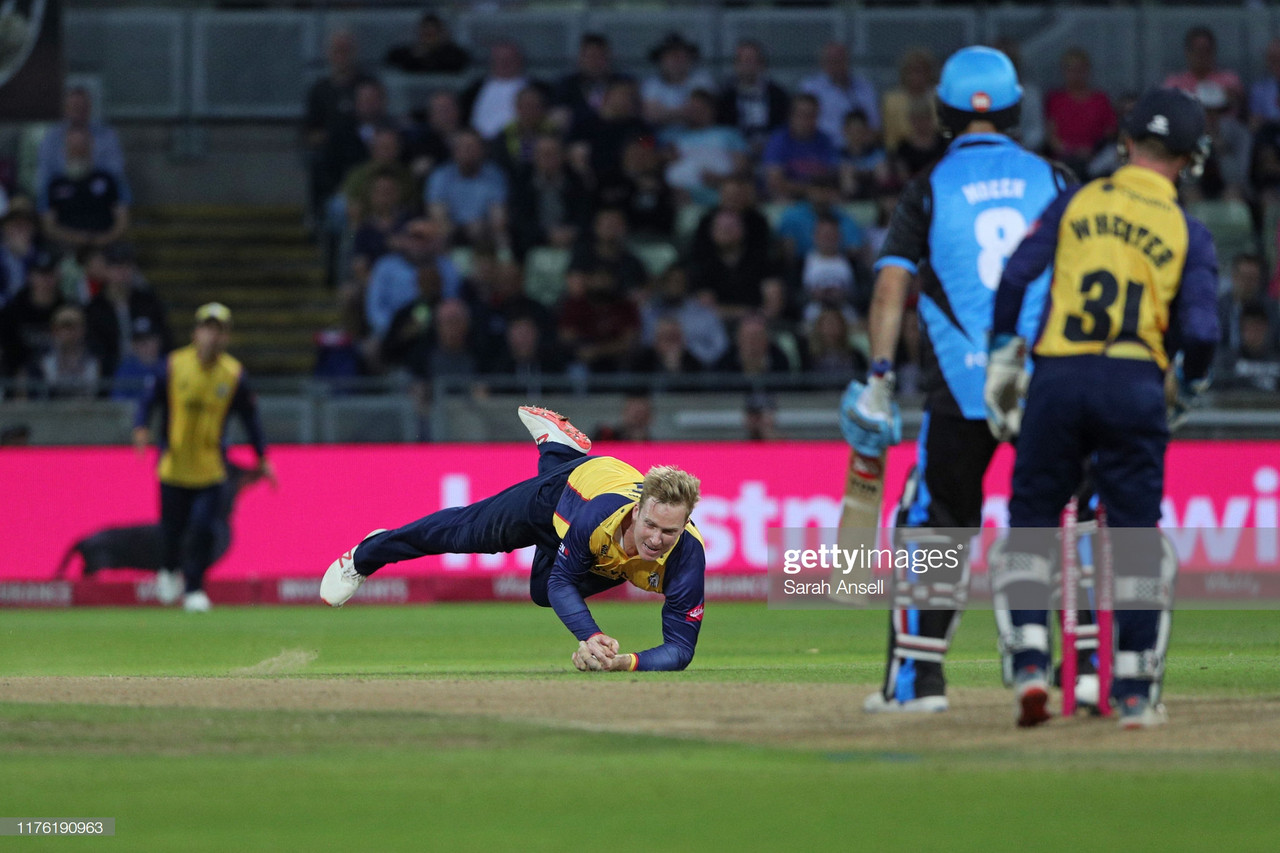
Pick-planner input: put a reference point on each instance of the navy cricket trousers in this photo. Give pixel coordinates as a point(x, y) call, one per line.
point(188, 521)
point(1112, 410)
point(517, 517)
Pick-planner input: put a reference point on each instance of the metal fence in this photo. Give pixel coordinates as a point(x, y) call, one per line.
point(222, 64)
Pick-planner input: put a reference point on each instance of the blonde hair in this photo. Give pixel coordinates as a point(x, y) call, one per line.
point(667, 484)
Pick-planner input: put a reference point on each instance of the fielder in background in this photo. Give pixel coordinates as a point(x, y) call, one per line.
point(594, 522)
point(1131, 272)
point(954, 227)
point(199, 386)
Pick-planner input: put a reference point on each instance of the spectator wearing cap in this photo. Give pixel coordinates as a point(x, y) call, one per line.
point(797, 153)
point(577, 97)
point(77, 113)
point(1226, 170)
point(837, 90)
point(67, 368)
point(19, 230)
point(468, 196)
point(26, 320)
point(393, 281)
point(489, 104)
point(1200, 49)
point(433, 50)
point(83, 205)
point(125, 304)
point(666, 92)
point(750, 100)
point(199, 387)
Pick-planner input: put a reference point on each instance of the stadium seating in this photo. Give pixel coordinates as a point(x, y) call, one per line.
point(1231, 224)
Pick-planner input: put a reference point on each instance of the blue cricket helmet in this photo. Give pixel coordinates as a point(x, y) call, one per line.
point(979, 83)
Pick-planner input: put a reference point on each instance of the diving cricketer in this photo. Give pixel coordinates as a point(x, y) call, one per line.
point(595, 523)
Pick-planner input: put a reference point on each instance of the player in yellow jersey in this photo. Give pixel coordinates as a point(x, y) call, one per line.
point(1134, 283)
point(199, 387)
point(595, 522)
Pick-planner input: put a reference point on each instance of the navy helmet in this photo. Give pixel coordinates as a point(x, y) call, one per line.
point(1176, 119)
point(978, 83)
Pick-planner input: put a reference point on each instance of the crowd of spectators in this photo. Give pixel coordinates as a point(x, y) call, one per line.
point(594, 222)
point(671, 224)
point(77, 317)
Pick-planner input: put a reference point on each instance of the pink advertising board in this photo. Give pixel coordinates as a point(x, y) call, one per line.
point(330, 496)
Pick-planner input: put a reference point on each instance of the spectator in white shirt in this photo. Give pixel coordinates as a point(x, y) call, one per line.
point(490, 102)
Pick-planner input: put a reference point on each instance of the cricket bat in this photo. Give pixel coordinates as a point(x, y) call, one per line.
point(859, 517)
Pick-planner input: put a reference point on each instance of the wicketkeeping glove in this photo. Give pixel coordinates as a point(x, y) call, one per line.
point(1006, 385)
point(1182, 395)
point(869, 418)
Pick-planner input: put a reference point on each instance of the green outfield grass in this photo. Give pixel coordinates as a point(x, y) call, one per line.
point(206, 779)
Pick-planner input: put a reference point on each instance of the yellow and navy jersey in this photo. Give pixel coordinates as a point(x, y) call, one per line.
point(600, 494)
point(195, 401)
point(1134, 276)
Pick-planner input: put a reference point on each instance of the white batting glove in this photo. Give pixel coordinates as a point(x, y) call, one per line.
point(1006, 385)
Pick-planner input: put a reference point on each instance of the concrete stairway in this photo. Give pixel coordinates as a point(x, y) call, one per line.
point(257, 260)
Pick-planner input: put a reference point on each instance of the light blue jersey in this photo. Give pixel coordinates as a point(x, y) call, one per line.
point(956, 225)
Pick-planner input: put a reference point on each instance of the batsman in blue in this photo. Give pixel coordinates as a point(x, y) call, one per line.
point(594, 522)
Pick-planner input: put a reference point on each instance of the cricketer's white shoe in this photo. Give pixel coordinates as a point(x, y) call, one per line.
point(169, 587)
point(196, 602)
point(341, 580)
point(877, 704)
point(1139, 712)
point(1032, 688)
point(545, 425)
